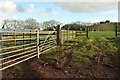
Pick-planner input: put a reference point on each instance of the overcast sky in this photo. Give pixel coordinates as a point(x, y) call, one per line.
point(60, 10)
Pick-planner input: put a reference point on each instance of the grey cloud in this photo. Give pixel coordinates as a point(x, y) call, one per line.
point(46, 11)
point(81, 7)
point(20, 8)
point(65, 0)
point(84, 0)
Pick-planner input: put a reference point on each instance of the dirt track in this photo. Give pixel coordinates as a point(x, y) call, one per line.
point(36, 68)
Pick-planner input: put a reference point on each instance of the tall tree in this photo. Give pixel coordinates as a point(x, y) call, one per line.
point(31, 24)
point(50, 25)
point(6, 24)
point(13, 24)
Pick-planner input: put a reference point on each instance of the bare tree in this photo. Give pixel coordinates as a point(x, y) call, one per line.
point(6, 24)
point(27, 24)
point(31, 24)
point(13, 24)
point(50, 25)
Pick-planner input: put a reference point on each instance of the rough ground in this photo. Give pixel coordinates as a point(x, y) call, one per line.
point(36, 68)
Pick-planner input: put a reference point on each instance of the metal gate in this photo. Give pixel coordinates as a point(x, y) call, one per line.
point(18, 46)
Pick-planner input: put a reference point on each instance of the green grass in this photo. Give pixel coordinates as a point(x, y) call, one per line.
point(13, 42)
point(99, 42)
point(106, 34)
point(104, 27)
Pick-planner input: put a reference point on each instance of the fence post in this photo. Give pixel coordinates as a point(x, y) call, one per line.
point(67, 34)
point(1, 53)
point(76, 33)
point(23, 39)
point(14, 37)
point(38, 43)
point(116, 25)
point(72, 33)
point(30, 36)
point(86, 31)
point(1, 40)
point(62, 38)
point(58, 36)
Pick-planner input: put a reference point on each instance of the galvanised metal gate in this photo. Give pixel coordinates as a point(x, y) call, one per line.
point(18, 46)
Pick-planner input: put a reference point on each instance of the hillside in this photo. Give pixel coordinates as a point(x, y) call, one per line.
point(104, 27)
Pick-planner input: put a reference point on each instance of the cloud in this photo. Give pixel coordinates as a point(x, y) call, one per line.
point(15, 18)
point(3, 16)
point(85, 0)
point(45, 12)
point(83, 7)
point(20, 8)
point(31, 8)
point(7, 6)
point(65, 0)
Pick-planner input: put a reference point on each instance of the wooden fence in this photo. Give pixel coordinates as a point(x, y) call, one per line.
point(67, 35)
point(20, 45)
point(117, 30)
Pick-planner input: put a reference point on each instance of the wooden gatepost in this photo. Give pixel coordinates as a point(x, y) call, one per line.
point(58, 36)
point(1, 53)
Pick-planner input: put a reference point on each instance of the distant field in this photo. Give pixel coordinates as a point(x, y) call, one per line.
point(106, 34)
point(104, 27)
point(9, 41)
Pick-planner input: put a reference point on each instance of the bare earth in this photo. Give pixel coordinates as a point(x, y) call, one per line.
point(36, 68)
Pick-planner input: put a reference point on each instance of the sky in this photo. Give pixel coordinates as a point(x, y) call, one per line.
point(59, 10)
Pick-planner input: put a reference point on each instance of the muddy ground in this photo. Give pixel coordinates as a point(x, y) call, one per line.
point(37, 68)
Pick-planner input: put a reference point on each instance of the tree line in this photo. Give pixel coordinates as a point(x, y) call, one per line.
point(30, 24)
point(34, 24)
point(49, 25)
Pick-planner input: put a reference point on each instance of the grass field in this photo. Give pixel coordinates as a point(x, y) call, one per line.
point(79, 56)
point(104, 27)
point(106, 34)
point(99, 51)
point(98, 42)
